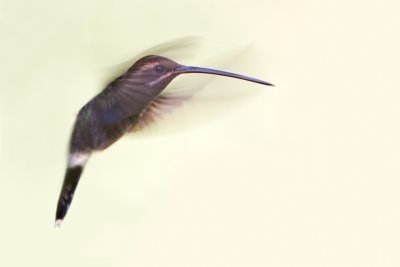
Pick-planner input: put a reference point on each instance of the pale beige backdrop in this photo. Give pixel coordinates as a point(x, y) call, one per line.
point(304, 174)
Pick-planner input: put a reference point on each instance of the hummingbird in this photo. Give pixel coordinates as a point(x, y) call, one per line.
point(128, 102)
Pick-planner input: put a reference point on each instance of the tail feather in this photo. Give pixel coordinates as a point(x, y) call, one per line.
point(67, 192)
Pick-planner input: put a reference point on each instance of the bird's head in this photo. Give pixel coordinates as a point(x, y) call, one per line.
point(157, 72)
point(154, 71)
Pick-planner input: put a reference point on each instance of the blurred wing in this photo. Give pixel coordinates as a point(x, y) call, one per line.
point(176, 49)
point(163, 104)
point(182, 89)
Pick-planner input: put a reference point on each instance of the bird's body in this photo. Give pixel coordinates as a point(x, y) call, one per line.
point(114, 111)
point(102, 121)
point(125, 103)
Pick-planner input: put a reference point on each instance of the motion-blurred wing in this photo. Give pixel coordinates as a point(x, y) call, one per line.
point(179, 49)
point(163, 104)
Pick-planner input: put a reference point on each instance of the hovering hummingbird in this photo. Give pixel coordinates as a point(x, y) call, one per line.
point(128, 102)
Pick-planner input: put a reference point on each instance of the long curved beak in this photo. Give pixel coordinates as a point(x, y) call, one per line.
point(191, 69)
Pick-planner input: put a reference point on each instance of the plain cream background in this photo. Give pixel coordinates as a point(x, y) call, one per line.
point(304, 174)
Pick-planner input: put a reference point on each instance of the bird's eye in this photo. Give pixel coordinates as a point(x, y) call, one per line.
point(159, 68)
